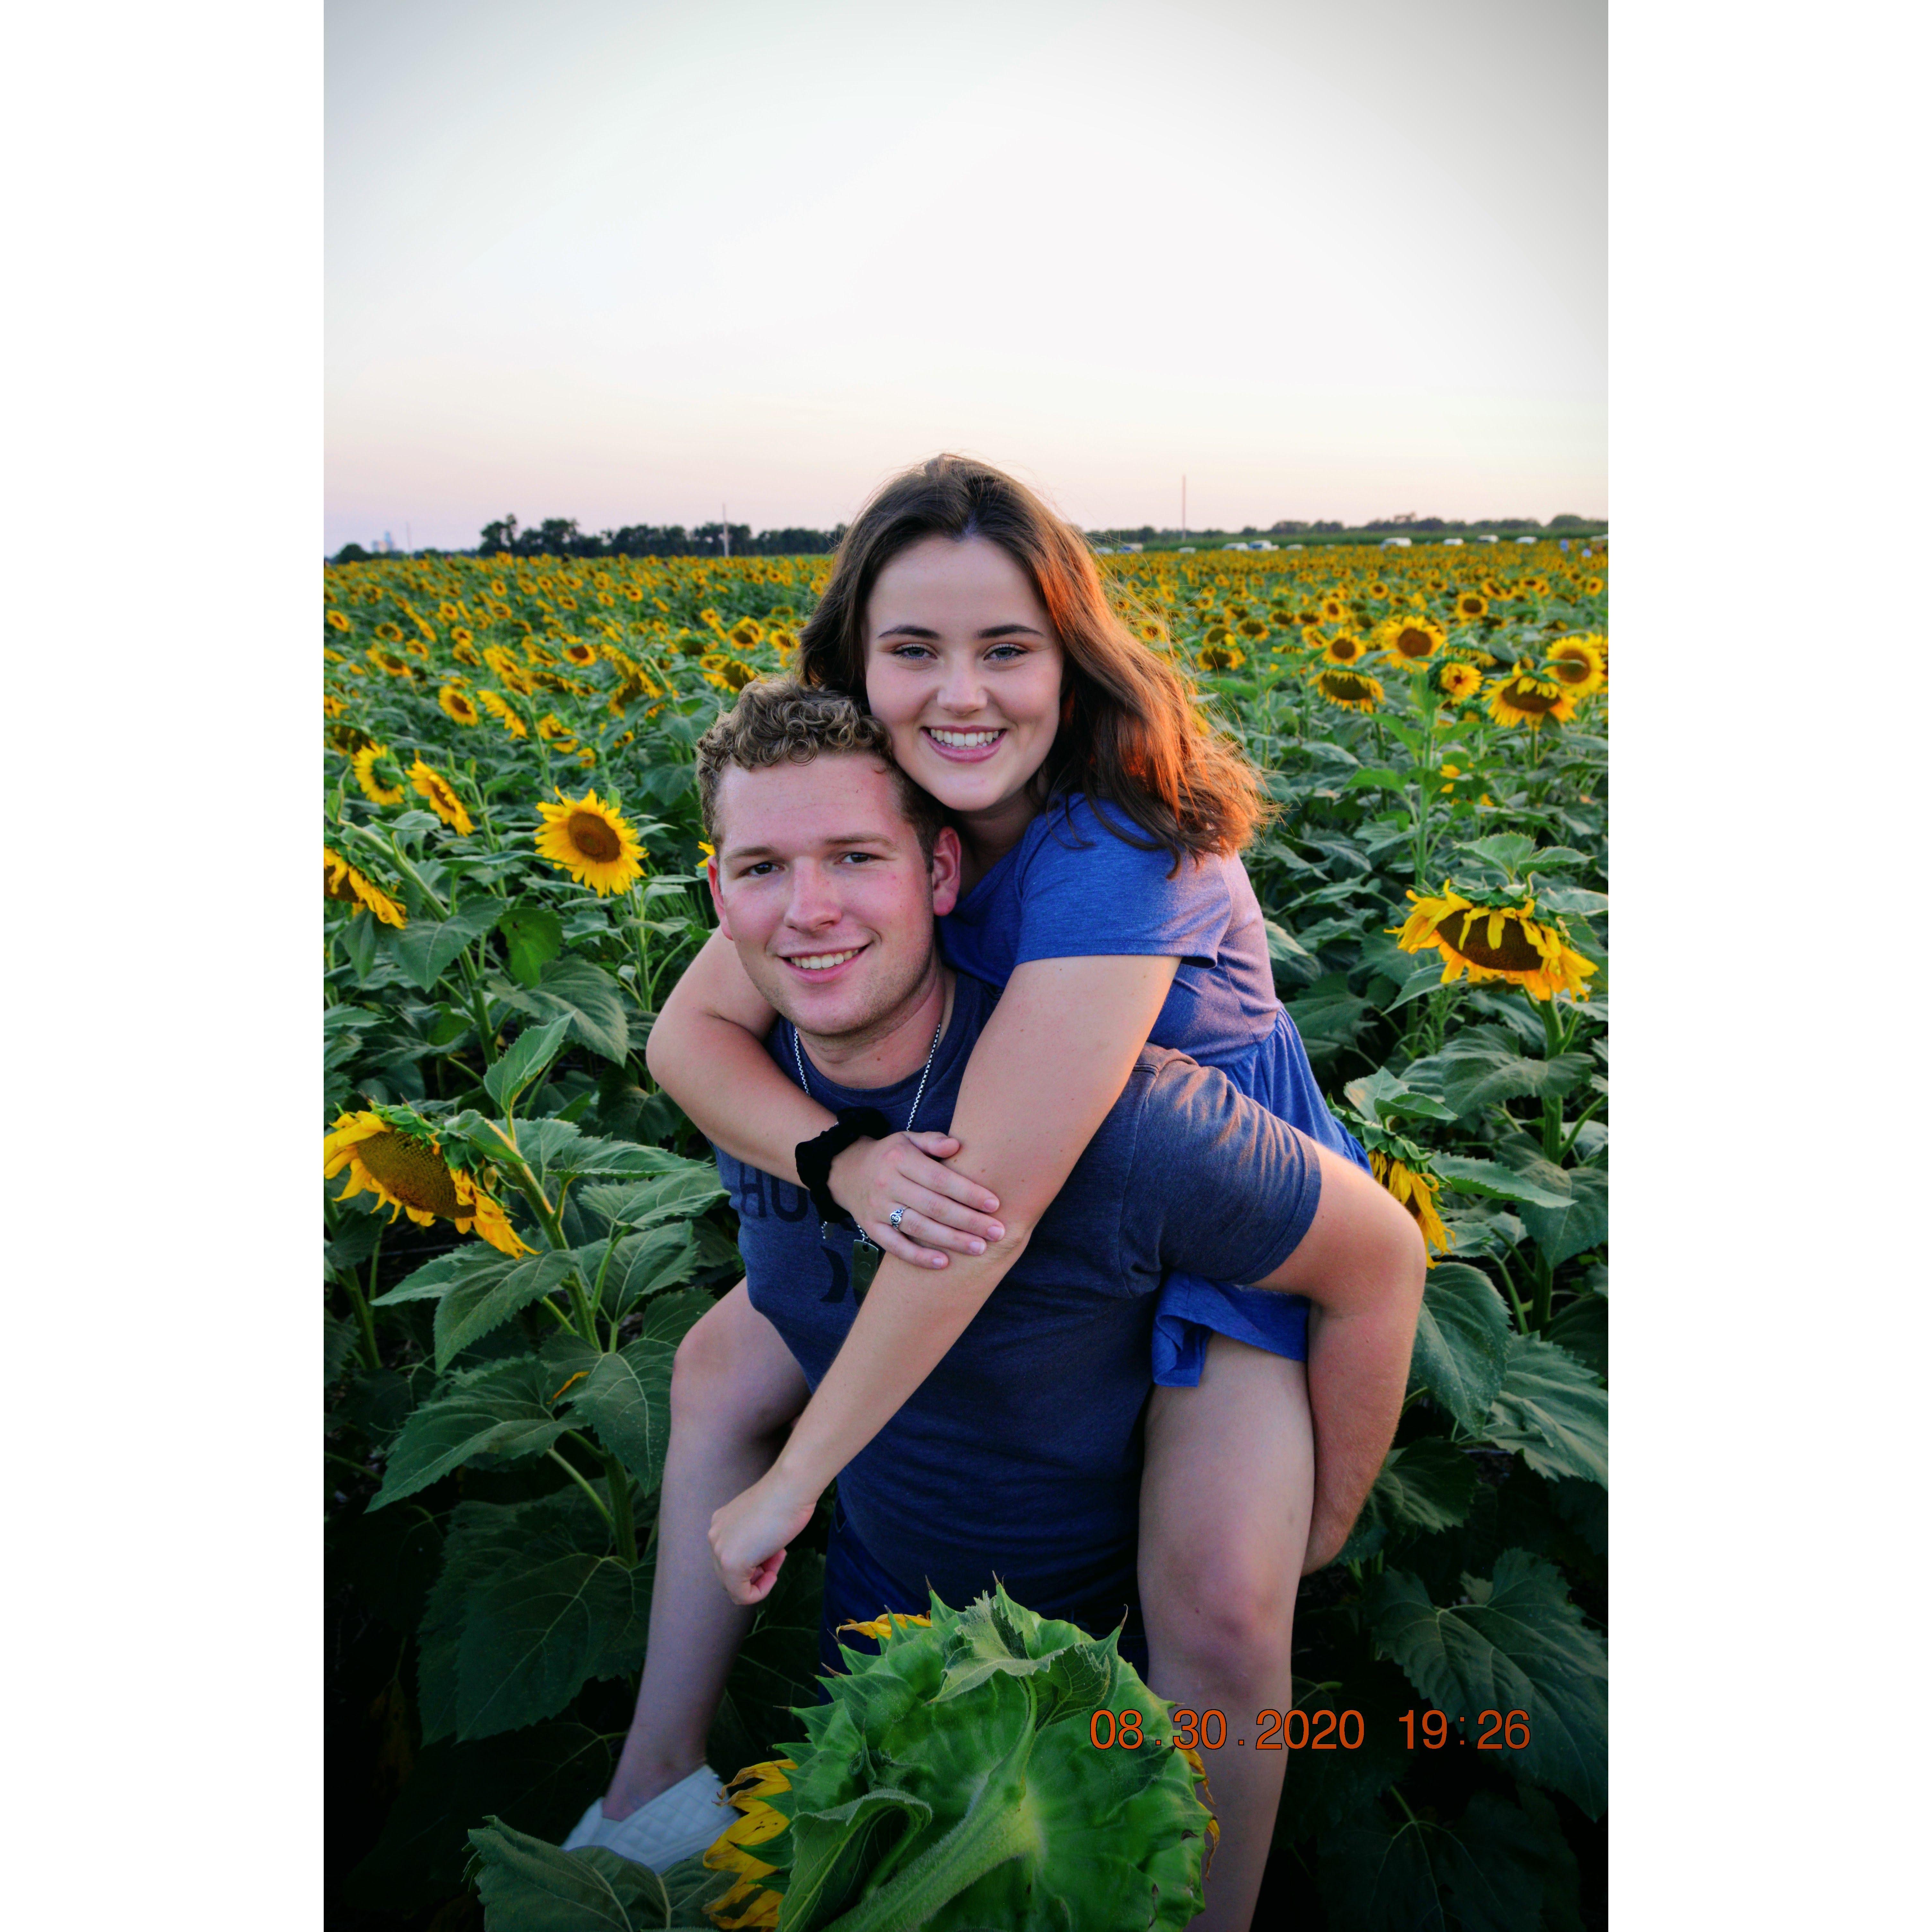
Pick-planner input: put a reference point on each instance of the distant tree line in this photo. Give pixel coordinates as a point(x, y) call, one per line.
point(1402, 525)
point(560, 536)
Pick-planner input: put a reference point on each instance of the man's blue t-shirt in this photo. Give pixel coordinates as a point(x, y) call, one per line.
point(1076, 887)
point(1019, 1456)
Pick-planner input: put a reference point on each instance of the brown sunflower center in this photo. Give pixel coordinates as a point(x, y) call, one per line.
point(335, 885)
point(593, 838)
point(1468, 933)
point(413, 1172)
point(1346, 648)
point(1525, 696)
point(1345, 684)
point(1414, 644)
point(1569, 670)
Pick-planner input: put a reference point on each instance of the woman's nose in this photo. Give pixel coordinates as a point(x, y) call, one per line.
point(960, 688)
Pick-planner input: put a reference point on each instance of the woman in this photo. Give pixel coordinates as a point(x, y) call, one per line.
point(1100, 824)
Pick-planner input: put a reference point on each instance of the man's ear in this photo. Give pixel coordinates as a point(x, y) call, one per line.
point(945, 871)
point(717, 897)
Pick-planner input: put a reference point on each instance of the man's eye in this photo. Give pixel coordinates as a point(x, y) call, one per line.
point(864, 858)
point(758, 870)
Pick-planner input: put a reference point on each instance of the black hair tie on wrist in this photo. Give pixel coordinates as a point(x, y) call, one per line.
point(814, 1158)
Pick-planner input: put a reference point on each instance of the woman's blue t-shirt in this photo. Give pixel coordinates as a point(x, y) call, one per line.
point(1074, 886)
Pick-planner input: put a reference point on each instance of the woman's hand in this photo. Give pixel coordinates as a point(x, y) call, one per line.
point(748, 1536)
point(943, 1210)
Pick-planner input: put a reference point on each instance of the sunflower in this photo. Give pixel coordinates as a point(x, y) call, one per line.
point(388, 660)
point(746, 633)
point(1345, 648)
point(449, 613)
point(1577, 664)
point(460, 636)
point(1471, 605)
point(1524, 698)
point(1352, 690)
point(390, 634)
point(1487, 942)
point(458, 705)
point(363, 761)
point(580, 653)
point(1456, 681)
point(761, 1822)
point(431, 784)
point(406, 1171)
point(591, 840)
point(1149, 632)
point(500, 708)
point(736, 673)
point(1334, 609)
point(466, 654)
point(1220, 657)
point(338, 621)
point(1253, 628)
point(1417, 1191)
point(341, 881)
point(510, 673)
point(1415, 639)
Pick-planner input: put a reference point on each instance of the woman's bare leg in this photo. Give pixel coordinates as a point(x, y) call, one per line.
point(1225, 1499)
point(735, 1390)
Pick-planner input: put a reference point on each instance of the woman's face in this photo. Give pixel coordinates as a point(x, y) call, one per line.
point(962, 666)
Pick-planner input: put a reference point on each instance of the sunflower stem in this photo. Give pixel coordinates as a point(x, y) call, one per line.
point(1545, 1289)
point(1576, 1127)
point(617, 1481)
point(409, 870)
point(365, 1319)
point(570, 1470)
point(1515, 1299)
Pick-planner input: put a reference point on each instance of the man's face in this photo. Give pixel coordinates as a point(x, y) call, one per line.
point(820, 883)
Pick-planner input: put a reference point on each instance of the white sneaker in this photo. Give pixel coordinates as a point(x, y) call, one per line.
point(676, 1824)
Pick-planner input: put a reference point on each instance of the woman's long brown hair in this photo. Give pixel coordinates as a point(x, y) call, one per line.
point(1131, 734)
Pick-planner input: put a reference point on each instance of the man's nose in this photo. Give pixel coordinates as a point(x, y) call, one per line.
point(815, 898)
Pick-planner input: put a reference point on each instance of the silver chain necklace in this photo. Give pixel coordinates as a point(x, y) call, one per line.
point(798, 1054)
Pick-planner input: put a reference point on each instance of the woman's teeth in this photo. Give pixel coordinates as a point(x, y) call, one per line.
point(817, 962)
point(963, 741)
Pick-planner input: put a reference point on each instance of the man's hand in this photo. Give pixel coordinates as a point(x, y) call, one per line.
point(748, 1536)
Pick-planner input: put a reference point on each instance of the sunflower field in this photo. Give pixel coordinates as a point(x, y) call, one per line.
point(519, 1227)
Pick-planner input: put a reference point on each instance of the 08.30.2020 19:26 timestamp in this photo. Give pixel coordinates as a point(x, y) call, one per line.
point(1318, 1730)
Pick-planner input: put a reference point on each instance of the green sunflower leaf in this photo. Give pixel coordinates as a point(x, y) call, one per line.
point(1552, 1411)
point(1486, 1873)
point(1468, 1077)
point(1524, 1647)
point(499, 1410)
point(1467, 1174)
point(484, 1297)
point(1462, 1343)
point(625, 1397)
point(585, 995)
point(1426, 1485)
point(542, 1777)
point(534, 935)
point(536, 1887)
point(525, 1060)
point(643, 1264)
point(681, 1194)
point(1582, 1222)
point(425, 948)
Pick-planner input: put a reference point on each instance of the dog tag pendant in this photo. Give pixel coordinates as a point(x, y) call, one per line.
point(866, 1256)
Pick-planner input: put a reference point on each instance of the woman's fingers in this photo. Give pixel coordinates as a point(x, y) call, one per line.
point(932, 1173)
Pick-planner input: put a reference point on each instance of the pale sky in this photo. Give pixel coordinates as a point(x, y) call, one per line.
point(629, 263)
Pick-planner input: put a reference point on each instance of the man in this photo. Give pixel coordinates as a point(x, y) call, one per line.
point(1019, 1457)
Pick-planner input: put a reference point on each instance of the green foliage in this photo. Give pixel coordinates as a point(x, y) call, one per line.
point(492, 1469)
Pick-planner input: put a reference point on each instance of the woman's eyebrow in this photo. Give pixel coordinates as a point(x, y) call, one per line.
point(990, 631)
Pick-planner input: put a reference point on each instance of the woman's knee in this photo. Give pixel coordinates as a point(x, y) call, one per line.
point(1229, 1614)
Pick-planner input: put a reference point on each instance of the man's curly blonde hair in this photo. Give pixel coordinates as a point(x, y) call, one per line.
point(778, 719)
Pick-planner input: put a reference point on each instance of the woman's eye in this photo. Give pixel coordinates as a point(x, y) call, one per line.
point(910, 653)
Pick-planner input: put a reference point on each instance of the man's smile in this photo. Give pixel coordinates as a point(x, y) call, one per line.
point(814, 963)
